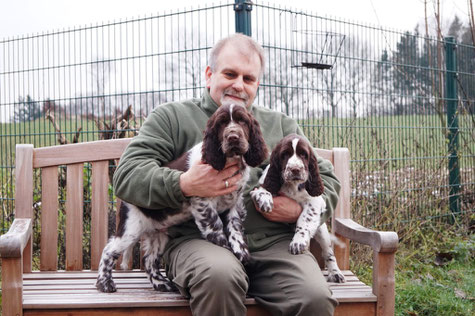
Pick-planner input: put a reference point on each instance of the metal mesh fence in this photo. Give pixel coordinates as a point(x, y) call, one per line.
point(379, 92)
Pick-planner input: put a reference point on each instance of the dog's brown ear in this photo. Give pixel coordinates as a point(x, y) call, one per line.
point(257, 151)
point(314, 184)
point(211, 152)
point(273, 181)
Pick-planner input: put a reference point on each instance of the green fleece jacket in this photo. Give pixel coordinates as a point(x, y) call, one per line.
point(173, 128)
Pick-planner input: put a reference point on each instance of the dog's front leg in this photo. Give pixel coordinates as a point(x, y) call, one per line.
point(307, 224)
point(208, 221)
point(235, 232)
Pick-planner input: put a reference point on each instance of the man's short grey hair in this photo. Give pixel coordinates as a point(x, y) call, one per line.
point(249, 43)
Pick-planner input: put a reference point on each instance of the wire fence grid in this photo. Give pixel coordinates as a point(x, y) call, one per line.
point(379, 92)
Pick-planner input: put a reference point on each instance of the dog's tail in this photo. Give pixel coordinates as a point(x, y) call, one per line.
point(337, 241)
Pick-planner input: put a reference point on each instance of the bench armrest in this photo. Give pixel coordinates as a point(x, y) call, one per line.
point(15, 240)
point(378, 240)
point(384, 245)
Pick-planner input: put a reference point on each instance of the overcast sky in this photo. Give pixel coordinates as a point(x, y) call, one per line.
point(22, 17)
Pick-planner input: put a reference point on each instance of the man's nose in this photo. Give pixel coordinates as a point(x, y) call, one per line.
point(238, 84)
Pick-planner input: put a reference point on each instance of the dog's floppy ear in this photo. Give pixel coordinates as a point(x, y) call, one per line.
point(257, 151)
point(273, 180)
point(314, 184)
point(211, 152)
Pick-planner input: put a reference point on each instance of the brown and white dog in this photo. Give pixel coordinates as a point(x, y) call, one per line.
point(293, 171)
point(231, 133)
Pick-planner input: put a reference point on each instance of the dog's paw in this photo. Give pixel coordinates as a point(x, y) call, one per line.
point(106, 285)
point(164, 286)
point(299, 245)
point(296, 248)
point(219, 239)
point(336, 276)
point(263, 199)
point(243, 255)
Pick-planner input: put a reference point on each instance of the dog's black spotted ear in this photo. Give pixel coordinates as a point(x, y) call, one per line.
point(314, 184)
point(211, 152)
point(257, 151)
point(273, 181)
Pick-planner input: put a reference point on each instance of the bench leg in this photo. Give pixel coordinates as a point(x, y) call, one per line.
point(12, 286)
point(383, 282)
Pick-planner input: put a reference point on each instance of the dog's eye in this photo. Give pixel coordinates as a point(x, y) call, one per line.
point(304, 155)
point(242, 121)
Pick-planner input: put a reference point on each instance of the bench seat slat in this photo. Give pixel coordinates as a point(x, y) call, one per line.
point(122, 278)
point(87, 274)
point(146, 298)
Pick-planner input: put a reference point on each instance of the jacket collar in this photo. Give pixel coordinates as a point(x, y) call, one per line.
point(208, 104)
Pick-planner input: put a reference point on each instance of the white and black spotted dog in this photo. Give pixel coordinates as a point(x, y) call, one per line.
point(293, 170)
point(231, 133)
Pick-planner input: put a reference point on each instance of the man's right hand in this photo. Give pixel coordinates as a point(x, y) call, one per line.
point(204, 181)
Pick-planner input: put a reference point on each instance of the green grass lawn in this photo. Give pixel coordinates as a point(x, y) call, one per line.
point(41, 132)
point(427, 285)
point(369, 138)
point(434, 273)
point(387, 137)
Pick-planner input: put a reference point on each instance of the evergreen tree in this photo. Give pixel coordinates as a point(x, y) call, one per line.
point(456, 29)
point(407, 80)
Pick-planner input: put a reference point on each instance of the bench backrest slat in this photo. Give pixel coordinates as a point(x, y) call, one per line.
point(49, 219)
point(74, 216)
point(81, 152)
point(99, 210)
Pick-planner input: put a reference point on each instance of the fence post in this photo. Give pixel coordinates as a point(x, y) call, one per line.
point(243, 10)
point(452, 125)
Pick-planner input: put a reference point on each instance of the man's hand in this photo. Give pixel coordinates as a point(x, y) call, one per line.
point(204, 181)
point(285, 210)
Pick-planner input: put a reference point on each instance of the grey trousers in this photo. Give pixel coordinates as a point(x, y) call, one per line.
point(217, 283)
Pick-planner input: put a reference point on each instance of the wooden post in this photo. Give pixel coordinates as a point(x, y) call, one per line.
point(12, 286)
point(12, 245)
point(24, 193)
point(341, 159)
point(383, 282)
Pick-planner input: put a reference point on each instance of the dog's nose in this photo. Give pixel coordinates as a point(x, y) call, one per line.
point(233, 137)
point(294, 170)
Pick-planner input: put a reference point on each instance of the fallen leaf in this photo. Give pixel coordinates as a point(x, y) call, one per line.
point(460, 293)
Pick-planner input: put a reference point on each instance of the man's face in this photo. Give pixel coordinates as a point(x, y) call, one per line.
point(236, 77)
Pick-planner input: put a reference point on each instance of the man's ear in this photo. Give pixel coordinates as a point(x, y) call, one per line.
point(208, 74)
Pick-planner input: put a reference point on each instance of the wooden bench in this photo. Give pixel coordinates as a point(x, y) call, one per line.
point(72, 292)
